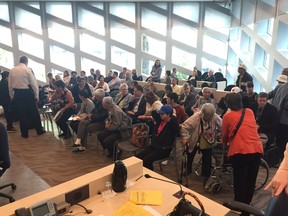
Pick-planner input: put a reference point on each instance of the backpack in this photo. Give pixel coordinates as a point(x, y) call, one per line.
point(119, 176)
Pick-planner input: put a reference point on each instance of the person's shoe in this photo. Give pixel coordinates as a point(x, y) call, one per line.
point(61, 135)
point(75, 145)
point(24, 136)
point(11, 130)
point(41, 132)
point(78, 150)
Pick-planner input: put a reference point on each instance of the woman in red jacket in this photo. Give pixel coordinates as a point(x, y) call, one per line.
point(245, 147)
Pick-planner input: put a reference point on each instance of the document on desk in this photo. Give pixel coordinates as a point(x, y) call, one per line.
point(145, 197)
point(131, 209)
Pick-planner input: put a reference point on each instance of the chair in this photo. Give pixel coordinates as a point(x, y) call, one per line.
point(218, 76)
point(5, 160)
point(126, 146)
point(172, 157)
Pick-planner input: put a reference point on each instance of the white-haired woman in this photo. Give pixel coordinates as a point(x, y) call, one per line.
point(123, 98)
point(201, 131)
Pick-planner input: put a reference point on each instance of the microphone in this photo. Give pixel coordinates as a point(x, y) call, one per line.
point(177, 194)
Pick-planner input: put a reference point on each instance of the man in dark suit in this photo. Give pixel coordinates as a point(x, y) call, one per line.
point(187, 99)
point(267, 117)
point(137, 106)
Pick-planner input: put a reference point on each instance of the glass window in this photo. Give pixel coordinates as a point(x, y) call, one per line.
point(153, 46)
point(184, 34)
point(207, 64)
point(28, 20)
point(63, 10)
point(5, 36)
point(61, 33)
point(4, 15)
point(270, 25)
point(25, 42)
point(6, 58)
point(122, 57)
point(154, 21)
point(123, 10)
point(266, 60)
point(182, 58)
point(123, 34)
point(92, 45)
point(147, 65)
point(87, 64)
point(160, 5)
point(217, 21)
point(33, 4)
point(97, 5)
point(215, 47)
point(84, 20)
point(56, 72)
point(62, 57)
point(188, 11)
point(38, 70)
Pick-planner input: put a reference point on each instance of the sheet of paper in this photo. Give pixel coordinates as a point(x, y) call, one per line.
point(131, 209)
point(145, 197)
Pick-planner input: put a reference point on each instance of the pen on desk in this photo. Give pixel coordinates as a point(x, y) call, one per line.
point(139, 178)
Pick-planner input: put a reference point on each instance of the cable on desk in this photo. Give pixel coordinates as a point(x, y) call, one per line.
point(87, 211)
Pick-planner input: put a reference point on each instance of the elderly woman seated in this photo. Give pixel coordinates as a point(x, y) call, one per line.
point(123, 98)
point(201, 131)
point(163, 137)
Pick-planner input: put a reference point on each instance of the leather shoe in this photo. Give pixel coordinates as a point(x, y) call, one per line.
point(61, 135)
point(24, 136)
point(75, 145)
point(67, 136)
point(41, 132)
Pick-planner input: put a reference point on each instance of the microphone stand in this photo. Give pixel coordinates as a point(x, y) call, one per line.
point(177, 194)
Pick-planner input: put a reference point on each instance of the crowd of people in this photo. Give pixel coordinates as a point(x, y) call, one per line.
point(110, 104)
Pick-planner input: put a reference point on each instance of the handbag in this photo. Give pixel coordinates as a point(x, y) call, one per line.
point(138, 135)
point(184, 207)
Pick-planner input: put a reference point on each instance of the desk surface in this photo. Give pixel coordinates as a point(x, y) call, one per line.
point(101, 206)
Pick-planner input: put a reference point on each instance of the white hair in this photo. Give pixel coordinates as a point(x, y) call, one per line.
point(208, 109)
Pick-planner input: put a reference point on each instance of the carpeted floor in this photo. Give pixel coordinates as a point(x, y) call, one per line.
point(52, 160)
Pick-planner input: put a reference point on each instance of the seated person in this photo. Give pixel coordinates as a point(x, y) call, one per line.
point(163, 137)
point(94, 121)
point(102, 84)
point(175, 88)
point(203, 99)
point(187, 99)
point(109, 76)
point(116, 125)
point(168, 77)
point(63, 103)
point(168, 90)
point(80, 86)
point(86, 108)
point(123, 98)
point(150, 87)
point(210, 77)
point(267, 118)
point(115, 83)
point(137, 105)
point(252, 96)
point(178, 110)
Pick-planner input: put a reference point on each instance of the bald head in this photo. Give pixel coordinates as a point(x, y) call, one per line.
point(107, 102)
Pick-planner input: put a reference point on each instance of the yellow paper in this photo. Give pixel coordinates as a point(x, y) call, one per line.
point(145, 197)
point(130, 209)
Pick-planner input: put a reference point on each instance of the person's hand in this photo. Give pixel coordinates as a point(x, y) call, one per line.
point(196, 110)
point(279, 183)
point(130, 112)
point(184, 141)
point(107, 124)
point(36, 100)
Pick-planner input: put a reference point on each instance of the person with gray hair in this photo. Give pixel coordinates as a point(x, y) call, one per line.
point(201, 130)
point(116, 125)
point(123, 98)
point(93, 122)
point(206, 91)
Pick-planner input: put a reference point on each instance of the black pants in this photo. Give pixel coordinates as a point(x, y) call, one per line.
point(206, 162)
point(151, 154)
point(282, 139)
point(245, 171)
point(190, 159)
point(8, 115)
point(74, 126)
point(27, 111)
point(62, 122)
point(107, 139)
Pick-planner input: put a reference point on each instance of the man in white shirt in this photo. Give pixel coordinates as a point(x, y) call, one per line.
point(24, 91)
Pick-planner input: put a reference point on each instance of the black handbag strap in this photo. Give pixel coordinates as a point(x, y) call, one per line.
point(240, 122)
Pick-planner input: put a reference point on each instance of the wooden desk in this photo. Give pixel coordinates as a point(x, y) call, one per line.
point(101, 206)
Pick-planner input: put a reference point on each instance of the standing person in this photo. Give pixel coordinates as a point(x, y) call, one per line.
point(5, 101)
point(66, 77)
point(73, 79)
point(24, 90)
point(156, 71)
point(245, 147)
point(243, 77)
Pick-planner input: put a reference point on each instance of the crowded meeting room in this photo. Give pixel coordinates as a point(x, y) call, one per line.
point(123, 103)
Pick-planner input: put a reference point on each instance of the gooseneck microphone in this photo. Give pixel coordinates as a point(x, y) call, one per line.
point(178, 194)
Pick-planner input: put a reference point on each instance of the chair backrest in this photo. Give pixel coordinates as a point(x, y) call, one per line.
point(218, 76)
point(4, 150)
